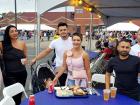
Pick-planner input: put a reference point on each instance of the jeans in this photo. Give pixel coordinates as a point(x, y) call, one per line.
point(72, 82)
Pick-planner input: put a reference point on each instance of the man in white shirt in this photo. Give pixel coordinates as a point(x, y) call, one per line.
point(87, 35)
point(60, 45)
point(135, 50)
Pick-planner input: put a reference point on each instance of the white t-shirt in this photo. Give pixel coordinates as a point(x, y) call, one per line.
point(60, 47)
point(135, 50)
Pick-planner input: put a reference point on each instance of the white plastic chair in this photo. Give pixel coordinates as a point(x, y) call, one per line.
point(101, 78)
point(14, 89)
point(7, 101)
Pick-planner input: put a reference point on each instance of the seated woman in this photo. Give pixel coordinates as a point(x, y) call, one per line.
point(98, 46)
point(76, 60)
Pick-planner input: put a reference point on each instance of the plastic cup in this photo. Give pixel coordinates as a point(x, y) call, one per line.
point(113, 92)
point(106, 94)
point(23, 61)
point(31, 100)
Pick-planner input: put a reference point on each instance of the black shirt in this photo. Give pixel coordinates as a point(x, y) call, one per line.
point(12, 60)
point(126, 72)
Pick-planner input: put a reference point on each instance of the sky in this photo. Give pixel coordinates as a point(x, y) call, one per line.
point(24, 6)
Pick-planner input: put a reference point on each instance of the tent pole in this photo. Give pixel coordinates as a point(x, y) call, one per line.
point(38, 30)
point(15, 13)
point(91, 26)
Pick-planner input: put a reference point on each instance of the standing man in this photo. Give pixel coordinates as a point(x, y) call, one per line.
point(60, 46)
point(135, 50)
point(87, 35)
point(127, 68)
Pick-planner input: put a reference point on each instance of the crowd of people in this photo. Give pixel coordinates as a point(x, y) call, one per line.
point(71, 57)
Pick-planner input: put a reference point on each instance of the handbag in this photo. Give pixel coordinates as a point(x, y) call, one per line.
point(79, 74)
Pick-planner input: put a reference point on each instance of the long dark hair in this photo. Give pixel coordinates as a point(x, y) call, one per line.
point(7, 44)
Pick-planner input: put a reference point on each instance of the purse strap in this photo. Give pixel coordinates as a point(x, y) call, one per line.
point(70, 71)
point(70, 57)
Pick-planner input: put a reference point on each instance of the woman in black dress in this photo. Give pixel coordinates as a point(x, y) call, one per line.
point(13, 51)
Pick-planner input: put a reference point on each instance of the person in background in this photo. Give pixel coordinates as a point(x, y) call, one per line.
point(126, 68)
point(56, 35)
point(14, 54)
point(87, 35)
point(112, 40)
point(98, 46)
point(48, 35)
point(76, 58)
point(106, 51)
point(42, 36)
point(135, 49)
point(60, 45)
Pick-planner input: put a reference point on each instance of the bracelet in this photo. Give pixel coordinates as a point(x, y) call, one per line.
point(89, 82)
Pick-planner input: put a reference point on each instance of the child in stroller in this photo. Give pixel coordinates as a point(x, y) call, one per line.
point(41, 76)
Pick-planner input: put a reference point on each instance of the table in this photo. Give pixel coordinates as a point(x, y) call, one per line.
point(92, 54)
point(44, 98)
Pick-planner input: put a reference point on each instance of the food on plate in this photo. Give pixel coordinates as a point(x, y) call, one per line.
point(71, 91)
point(77, 90)
point(65, 93)
point(74, 87)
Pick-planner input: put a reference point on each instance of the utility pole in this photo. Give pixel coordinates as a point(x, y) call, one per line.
point(91, 30)
point(16, 13)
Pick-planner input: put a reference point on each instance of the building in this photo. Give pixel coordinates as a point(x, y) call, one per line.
point(78, 21)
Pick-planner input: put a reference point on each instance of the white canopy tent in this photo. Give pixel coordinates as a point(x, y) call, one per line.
point(31, 27)
point(123, 27)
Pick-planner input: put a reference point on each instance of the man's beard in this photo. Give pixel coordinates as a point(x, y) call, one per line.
point(124, 53)
point(64, 37)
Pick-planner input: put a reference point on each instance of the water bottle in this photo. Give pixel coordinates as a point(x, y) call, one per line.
point(31, 100)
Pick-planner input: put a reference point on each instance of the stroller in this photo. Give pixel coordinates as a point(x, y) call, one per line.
point(42, 73)
point(98, 65)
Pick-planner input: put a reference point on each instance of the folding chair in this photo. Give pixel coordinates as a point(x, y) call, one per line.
point(14, 89)
point(100, 78)
point(7, 101)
